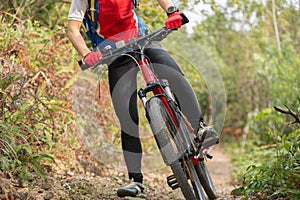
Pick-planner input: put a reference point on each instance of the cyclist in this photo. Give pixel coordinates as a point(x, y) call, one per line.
point(117, 17)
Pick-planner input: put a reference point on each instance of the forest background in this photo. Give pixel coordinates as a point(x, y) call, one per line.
point(255, 46)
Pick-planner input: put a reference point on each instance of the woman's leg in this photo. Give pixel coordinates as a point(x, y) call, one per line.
point(122, 81)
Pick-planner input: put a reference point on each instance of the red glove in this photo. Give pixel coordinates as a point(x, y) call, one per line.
point(92, 58)
point(174, 21)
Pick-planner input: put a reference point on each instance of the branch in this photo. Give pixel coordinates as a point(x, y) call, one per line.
point(11, 15)
point(289, 112)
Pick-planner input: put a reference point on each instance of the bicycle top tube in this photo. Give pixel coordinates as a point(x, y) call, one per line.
point(131, 46)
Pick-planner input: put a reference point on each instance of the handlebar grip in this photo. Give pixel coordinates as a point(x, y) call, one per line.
point(185, 20)
point(82, 65)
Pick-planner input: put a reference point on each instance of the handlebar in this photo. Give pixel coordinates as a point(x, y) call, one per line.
point(132, 45)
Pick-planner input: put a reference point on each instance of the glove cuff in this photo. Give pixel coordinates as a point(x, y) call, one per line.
point(87, 54)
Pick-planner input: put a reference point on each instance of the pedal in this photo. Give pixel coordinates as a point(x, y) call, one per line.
point(210, 142)
point(172, 182)
point(209, 156)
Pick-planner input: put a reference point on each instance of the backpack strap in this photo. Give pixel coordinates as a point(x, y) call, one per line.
point(90, 21)
point(94, 10)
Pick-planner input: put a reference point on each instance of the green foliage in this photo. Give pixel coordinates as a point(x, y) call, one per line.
point(266, 126)
point(278, 176)
point(271, 167)
point(36, 10)
point(33, 107)
point(18, 157)
point(241, 40)
point(257, 75)
point(152, 13)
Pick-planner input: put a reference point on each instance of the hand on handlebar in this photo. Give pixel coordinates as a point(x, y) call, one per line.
point(174, 20)
point(92, 58)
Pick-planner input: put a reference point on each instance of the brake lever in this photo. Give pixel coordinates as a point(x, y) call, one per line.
point(185, 20)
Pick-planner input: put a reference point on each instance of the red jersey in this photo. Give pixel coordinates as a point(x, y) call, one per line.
point(117, 19)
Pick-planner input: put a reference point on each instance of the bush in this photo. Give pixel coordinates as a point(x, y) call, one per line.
point(33, 102)
point(278, 173)
point(20, 125)
point(36, 10)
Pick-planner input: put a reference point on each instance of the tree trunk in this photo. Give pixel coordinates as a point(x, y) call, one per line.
point(275, 26)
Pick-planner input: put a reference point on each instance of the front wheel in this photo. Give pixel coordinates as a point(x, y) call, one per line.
point(165, 131)
point(206, 180)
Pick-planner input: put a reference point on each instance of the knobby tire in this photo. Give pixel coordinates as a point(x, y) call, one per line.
point(162, 126)
point(206, 180)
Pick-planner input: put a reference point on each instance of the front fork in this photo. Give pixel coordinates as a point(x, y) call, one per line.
point(154, 87)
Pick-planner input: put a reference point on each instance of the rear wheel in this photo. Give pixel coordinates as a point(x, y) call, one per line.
point(164, 130)
point(206, 180)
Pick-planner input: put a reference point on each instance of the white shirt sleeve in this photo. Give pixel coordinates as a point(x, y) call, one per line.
point(77, 10)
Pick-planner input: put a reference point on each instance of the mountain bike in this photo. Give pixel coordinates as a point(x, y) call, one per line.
point(183, 150)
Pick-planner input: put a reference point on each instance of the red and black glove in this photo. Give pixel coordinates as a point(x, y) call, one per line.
point(92, 58)
point(174, 20)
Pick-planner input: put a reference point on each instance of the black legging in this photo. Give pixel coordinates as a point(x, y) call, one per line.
point(123, 88)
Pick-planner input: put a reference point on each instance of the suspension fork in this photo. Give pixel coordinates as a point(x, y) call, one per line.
point(153, 85)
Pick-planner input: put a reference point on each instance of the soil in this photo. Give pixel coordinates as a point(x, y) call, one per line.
point(220, 170)
point(81, 181)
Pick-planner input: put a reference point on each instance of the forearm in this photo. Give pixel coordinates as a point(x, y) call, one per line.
point(76, 38)
point(165, 4)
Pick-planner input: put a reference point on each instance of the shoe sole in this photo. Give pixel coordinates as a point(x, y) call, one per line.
point(126, 193)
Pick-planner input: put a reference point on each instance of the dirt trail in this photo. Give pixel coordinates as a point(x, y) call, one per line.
point(220, 170)
point(67, 183)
